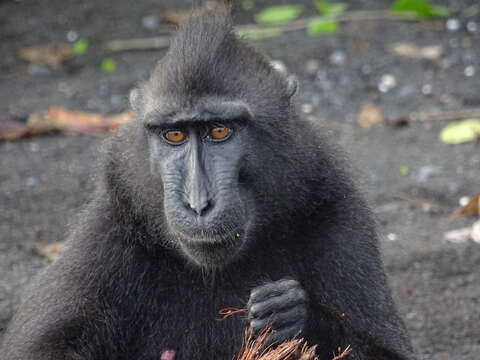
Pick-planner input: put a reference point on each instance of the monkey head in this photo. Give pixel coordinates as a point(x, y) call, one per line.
point(203, 113)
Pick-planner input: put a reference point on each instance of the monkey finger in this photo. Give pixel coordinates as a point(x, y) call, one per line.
point(273, 305)
point(261, 293)
point(278, 321)
point(291, 316)
point(259, 325)
point(285, 333)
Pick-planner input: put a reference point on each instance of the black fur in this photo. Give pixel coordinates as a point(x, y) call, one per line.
point(123, 290)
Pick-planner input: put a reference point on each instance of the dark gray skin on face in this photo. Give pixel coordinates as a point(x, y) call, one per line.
point(183, 224)
point(204, 200)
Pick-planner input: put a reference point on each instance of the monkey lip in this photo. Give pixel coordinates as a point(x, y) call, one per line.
point(212, 250)
point(203, 237)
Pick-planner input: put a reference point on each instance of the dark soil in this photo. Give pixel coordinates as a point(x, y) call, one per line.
point(45, 180)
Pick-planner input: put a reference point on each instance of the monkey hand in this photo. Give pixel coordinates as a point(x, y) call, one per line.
point(280, 305)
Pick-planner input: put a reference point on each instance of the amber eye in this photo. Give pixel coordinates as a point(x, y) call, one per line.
point(175, 136)
point(220, 133)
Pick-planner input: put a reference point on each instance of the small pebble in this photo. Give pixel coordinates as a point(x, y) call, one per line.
point(453, 24)
point(72, 36)
point(454, 43)
point(366, 69)
point(337, 57)
point(447, 62)
point(392, 237)
point(387, 83)
point(411, 315)
point(312, 66)
point(469, 71)
point(31, 181)
point(307, 108)
point(472, 26)
point(427, 89)
point(150, 22)
point(464, 200)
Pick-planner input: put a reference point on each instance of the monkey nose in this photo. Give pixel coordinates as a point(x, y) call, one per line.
point(199, 206)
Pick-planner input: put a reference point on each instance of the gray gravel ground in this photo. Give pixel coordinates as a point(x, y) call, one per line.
point(45, 180)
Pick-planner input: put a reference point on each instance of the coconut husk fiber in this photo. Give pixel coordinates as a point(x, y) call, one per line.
point(257, 348)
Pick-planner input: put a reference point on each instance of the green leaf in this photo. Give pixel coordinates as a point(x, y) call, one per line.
point(322, 26)
point(439, 11)
point(80, 47)
point(108, 65)
point(404, 170)
point(278, 15)
point(422, 8)
point(259, 33)
point(461, 132)
point(330, 9)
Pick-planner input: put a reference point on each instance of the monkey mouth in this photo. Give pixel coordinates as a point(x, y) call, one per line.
point(209, 249)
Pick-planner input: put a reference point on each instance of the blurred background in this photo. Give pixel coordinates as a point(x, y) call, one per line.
point(396, 83)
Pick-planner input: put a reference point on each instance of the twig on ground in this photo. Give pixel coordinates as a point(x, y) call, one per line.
point(161, 42)
point(438, 116)
point(426, 204)
point(158, 42)
point(349, 16)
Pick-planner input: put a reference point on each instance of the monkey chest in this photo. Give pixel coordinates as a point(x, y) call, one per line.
point(188, 323)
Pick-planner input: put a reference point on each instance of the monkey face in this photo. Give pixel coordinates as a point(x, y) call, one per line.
point(200, 161)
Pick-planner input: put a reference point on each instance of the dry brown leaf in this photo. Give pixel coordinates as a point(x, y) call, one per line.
point(472, 208)
point(63, 120)
point(50, 251)
point(77, 122)
point(50, 54)
point(176, 17)
point(413, 51)
point(370, 115)
point(11, 130)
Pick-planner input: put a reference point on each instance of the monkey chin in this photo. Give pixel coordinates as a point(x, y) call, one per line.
point(213, 252)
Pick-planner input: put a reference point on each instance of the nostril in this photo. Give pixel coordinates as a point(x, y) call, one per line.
point(200, 208)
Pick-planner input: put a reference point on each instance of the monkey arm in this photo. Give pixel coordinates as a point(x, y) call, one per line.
point(350, 302)
point(45, 322)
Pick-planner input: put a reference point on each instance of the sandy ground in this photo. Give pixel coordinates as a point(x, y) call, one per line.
point(45, 180)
